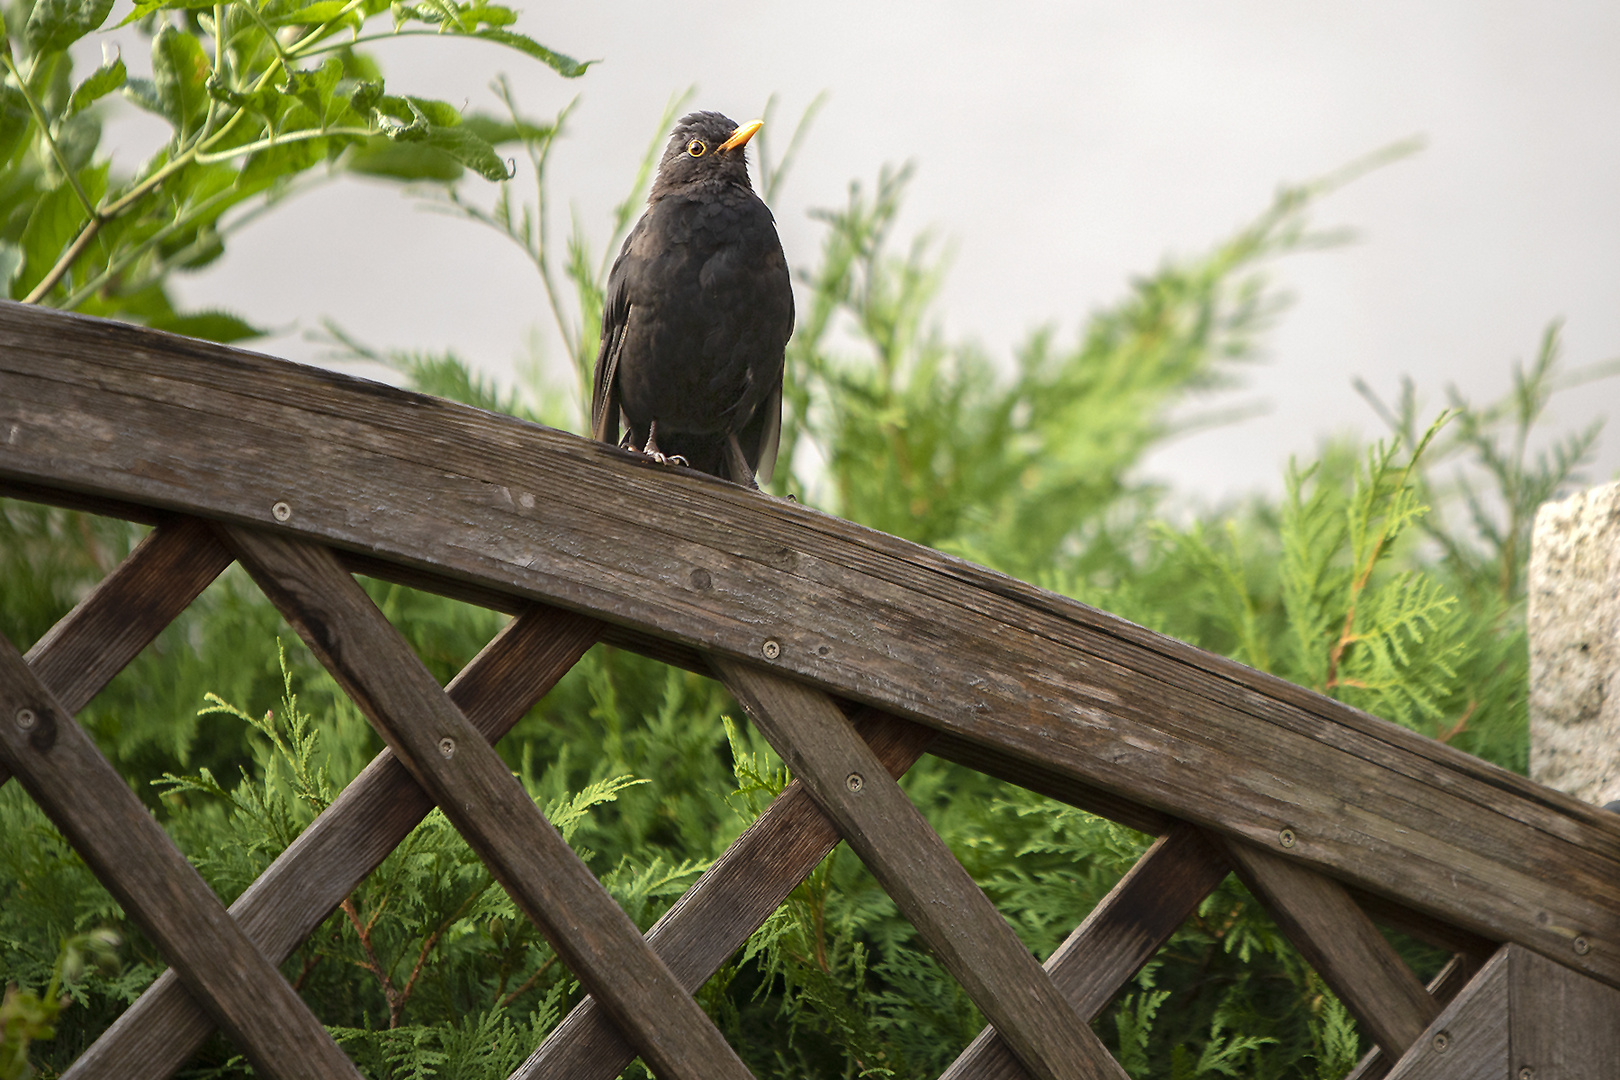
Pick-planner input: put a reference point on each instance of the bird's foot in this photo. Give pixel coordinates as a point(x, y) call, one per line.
point(652, 451)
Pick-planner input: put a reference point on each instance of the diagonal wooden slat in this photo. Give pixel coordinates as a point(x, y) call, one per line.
point(730, 901)
point(1447, 983)
point(486, 804)
point(134, 858)
point(1469, 1039)
point(168, 569)
point(371, 817)
point(958, 922)
point(1121, 934)
point(1338, 939)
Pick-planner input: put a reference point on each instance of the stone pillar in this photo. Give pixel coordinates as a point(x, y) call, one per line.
point(1575, 645)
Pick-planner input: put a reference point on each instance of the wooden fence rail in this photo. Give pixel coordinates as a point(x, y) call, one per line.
point(853, 651)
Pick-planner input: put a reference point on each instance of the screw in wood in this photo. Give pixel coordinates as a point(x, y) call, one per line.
point(1442, 1041)
point(1286, 838)
point(1527, 1073)
point(854, 782)
point(772, 648)
point(281, 511)
point(26, 719)
point(447, 746)
point(1582, 946)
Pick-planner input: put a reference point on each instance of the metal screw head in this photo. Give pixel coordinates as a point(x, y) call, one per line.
point(772, 648)
point(26, 719)
point(1441, 1041)
point(1286, 838)
point(1527, 1073)
point(1582, 946)
point(447, 746)
point(281, 511)
point(854, 782)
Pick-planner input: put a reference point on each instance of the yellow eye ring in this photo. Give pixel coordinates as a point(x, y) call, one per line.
point(696, 148)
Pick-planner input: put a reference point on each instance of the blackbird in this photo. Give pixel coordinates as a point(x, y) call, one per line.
point(697, 314)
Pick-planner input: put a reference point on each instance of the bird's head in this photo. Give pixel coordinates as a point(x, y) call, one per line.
point(706, 148)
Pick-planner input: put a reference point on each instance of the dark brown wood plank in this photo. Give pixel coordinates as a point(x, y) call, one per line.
point(487, 805)
point(1447, 983)
point(1469, 1039)
point(371, 817)
point(1562, 1025)
point(119, 412)
point(1338, 939)
point(1121, 934)
point(167, 570)
point(730, 901)
point(952, 915)
point(134, 858)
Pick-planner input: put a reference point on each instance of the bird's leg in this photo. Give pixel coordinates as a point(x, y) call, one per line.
point(737, 462)
point(651, 449)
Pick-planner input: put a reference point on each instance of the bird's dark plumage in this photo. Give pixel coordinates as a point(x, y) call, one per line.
point(698, 312)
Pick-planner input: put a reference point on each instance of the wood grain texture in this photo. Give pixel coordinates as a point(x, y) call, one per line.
point(369, 818)
point(1121, 934)
point(749, 881)
point(1469, 1039)
point(1562, 1025)
point(1447, 983)
point(167, 570)
point(134, 858)
point(1338, 939)
point(118, 412)
point(486, 804)
point(952, 915)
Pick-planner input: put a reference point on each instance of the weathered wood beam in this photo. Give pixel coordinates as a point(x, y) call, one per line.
point(1447, 983)
point(134, 858)
point(487, 805)
point(1469, 1039)
point(118, 412)
point(370, 818)
point(952, 915)
point(1338, 939)
point(1563, 1025)
point(1121, 934)
point(168, 569)
point(730, 901)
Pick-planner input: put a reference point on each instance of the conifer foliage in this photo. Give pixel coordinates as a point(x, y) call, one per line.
point(1389, 576)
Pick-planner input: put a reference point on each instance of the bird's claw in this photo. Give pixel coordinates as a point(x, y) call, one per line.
point(668, 459)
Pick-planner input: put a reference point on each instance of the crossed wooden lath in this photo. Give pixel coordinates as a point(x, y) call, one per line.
point(854, 652)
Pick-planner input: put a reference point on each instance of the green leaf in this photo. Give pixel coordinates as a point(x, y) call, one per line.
point(566, 66)
point(312, 14)
point(55, 24)
point(403, 161)
point(496, 130)
point(15, 121)
point(101, 82)
point(144, 93)
point(470, 150)
point(180, 74)
point(54, 223)
point(220, 326)
point(143, 8)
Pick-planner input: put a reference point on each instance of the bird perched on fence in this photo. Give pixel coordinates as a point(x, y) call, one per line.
point(697, 314)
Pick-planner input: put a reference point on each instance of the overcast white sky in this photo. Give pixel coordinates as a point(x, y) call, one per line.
point(1063, 147)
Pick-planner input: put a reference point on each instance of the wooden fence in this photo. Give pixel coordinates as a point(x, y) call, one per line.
point(853, 651)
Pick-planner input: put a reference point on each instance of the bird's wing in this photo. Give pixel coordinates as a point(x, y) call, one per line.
point(615, 319)
point(770, 437)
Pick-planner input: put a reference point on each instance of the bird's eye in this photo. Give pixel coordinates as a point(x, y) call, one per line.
point(696, 148)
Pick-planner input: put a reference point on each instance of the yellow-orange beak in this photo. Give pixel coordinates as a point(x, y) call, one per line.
point(741, 136)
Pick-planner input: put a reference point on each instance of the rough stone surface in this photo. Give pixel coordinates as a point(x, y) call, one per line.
point(1575, 645)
